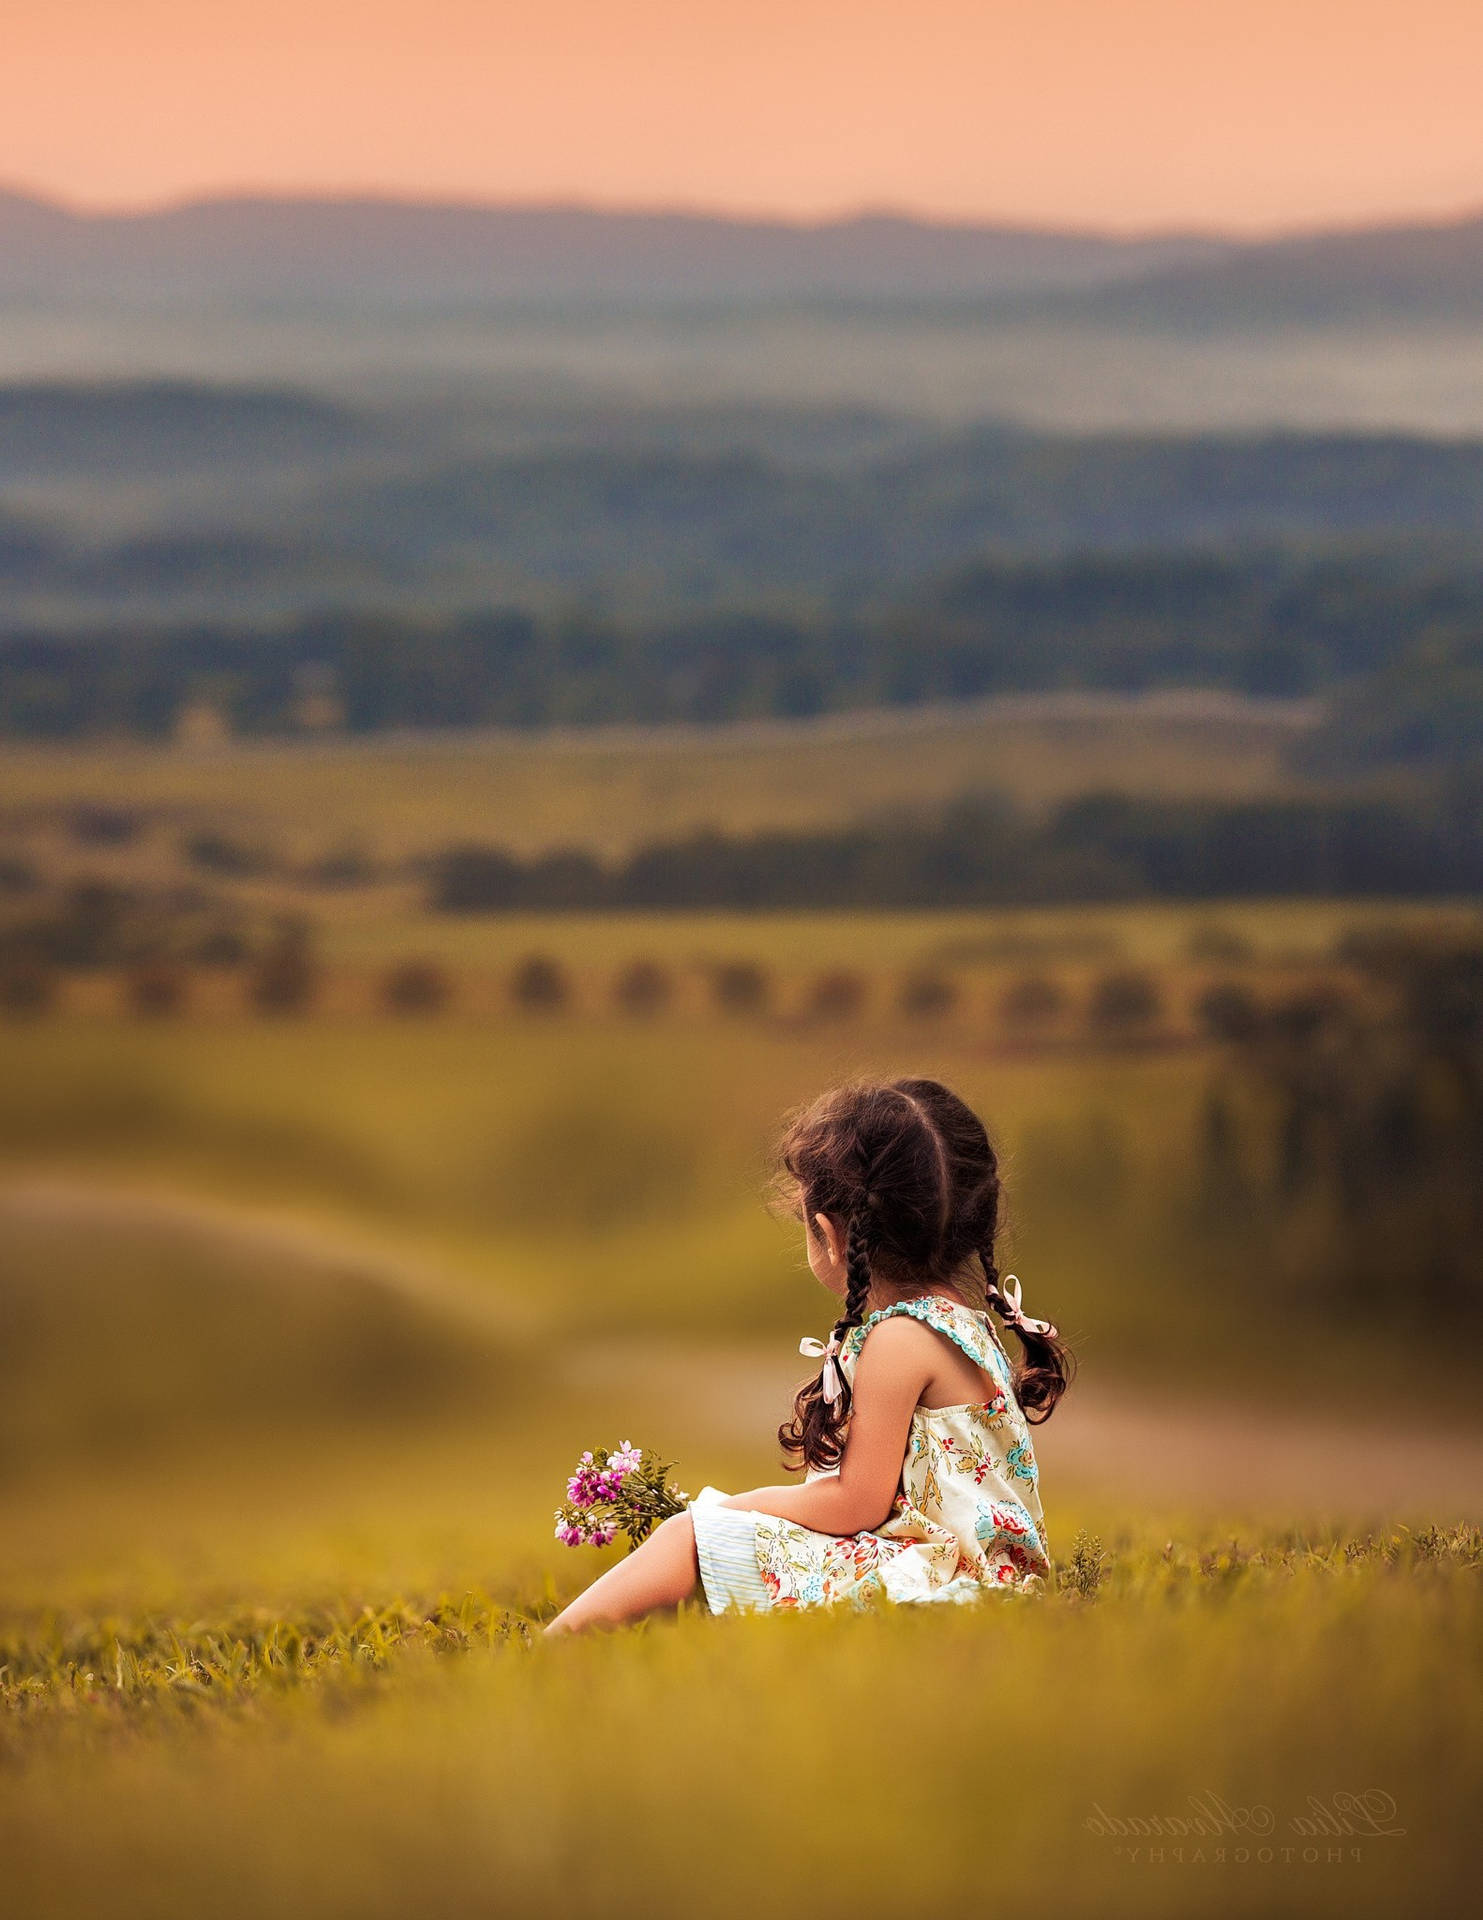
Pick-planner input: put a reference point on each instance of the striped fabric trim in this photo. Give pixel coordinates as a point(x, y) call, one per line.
point(726, 1547)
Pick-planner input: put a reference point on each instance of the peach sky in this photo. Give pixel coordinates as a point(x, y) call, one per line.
point(1247, 114)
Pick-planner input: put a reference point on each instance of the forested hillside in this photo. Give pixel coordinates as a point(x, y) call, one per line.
point(1267, 623)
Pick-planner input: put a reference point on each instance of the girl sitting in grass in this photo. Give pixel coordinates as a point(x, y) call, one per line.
point(921, 1479)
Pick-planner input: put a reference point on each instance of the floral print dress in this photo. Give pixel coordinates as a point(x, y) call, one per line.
point(967, 1515)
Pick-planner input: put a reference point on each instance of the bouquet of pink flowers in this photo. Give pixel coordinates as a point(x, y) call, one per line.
point(615, 1490)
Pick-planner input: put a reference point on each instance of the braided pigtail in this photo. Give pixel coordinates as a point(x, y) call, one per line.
point(906, 1175)
point(857, 1276)
point(815, 1434)
point(1046, 1365)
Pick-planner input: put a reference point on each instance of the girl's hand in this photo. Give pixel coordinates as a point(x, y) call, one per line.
point(895, 1365)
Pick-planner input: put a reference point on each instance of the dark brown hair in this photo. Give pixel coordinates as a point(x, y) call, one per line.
point(906, 1171)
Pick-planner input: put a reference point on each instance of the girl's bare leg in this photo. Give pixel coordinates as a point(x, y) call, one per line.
point(661, 1573)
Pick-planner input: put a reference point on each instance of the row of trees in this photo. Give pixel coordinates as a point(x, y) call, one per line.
point(982, 852)
point(1099, 846)
point(1121, 1004)
point(281, 975)
point(1257, 622)
point(98, 922)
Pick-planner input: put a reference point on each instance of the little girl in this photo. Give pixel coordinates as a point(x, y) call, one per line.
point(922, 1482)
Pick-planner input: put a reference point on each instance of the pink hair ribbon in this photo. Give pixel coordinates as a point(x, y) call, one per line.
point(828, 1352)
point(1011, 1312)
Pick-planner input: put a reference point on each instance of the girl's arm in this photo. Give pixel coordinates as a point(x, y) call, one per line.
point(894, 1367)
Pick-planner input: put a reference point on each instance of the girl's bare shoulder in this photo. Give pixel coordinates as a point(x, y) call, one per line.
point(898, 1341)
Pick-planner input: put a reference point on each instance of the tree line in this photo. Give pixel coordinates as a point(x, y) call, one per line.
point(982, 852)
point(1258, 623)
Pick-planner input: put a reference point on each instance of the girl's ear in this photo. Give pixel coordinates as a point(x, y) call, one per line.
point(831, 1236)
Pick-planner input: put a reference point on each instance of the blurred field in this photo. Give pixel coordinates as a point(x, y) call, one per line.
point(269, 1578)
point(610, 789)
point(981, 949)
point(596, 1168)
point(602, 1177)
point(304, 1318)
point(302, 1322)
point(517, 1145)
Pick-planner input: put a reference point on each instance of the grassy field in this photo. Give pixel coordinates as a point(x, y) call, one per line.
point(303, 1324)
point(610, 789)
point(983, 949)
point(303, 1321)
point(422, 1757)
point(275, 1651)
point(497, 1144)
point(499, 1150)
point(358, 1722)
point(610, 1171)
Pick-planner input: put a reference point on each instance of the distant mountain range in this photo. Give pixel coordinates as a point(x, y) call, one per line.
point(414, 254)
point(414, 251)
point(187, 501)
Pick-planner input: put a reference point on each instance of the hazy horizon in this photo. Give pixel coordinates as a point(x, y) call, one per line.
point(1251, 119)
point(1464, 213)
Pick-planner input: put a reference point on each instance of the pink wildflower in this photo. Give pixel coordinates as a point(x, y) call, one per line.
point(627, 1459)
point(584, 1487)
point(568, 1534)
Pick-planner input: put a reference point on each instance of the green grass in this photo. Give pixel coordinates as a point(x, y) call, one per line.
point(416, 1752)
point(146, 1664)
